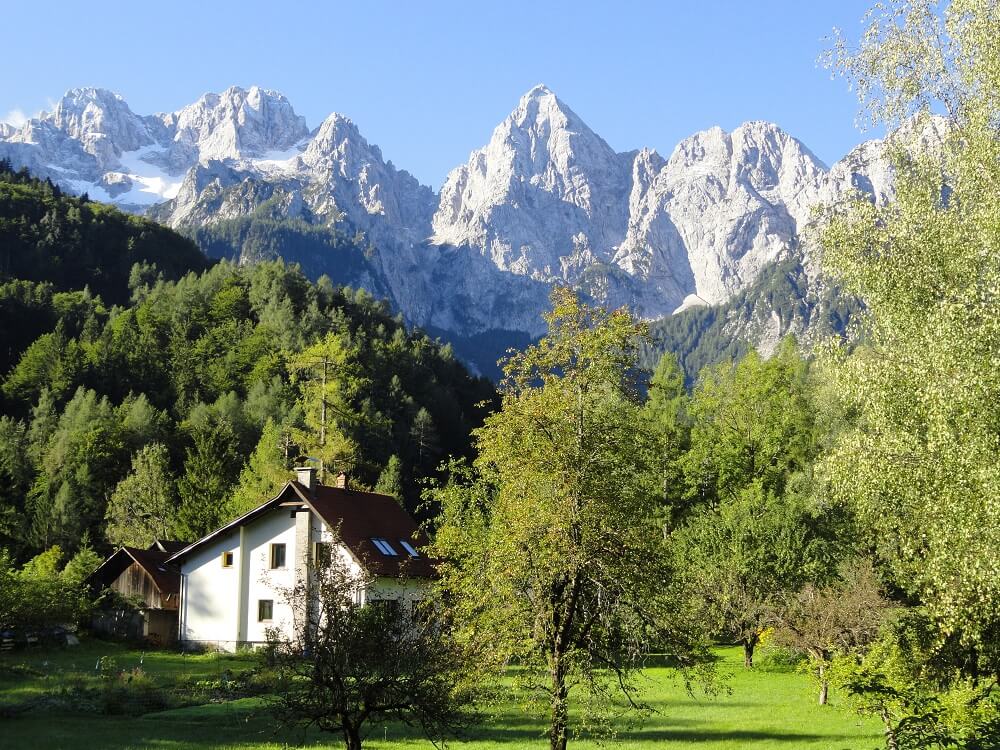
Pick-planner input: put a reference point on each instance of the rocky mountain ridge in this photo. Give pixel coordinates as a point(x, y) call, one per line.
point(545, 201)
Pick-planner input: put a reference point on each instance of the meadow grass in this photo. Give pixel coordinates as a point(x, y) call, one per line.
point(758, 710)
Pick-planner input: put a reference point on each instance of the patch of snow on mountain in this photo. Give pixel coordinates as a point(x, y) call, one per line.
point(151, 184)
point(280, 160)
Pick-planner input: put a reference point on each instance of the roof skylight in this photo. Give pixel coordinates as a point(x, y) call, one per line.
point(384, 547)
point(409, 548)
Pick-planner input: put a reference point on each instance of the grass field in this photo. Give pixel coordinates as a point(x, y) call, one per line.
point(761, 710)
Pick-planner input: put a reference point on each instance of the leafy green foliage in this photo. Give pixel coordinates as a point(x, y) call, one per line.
point(264, 473)
point(44, 592)
point(920, 465)
point(666, 421)
point(143, 507)
point(551, 554)
point(199, 364)
point(753, 422)
point(754, 529)
point(74, 243)
point(841, 617)
point(210, 471)
point(906, 679)
point(704, 336)
point(351, 665)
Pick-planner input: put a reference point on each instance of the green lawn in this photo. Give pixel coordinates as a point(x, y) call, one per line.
point(761, 710)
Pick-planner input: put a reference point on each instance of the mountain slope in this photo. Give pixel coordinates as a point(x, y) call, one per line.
point(546, 201)
point(74, 243)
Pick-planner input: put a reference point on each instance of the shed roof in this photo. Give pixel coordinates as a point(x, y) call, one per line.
point(153, 561)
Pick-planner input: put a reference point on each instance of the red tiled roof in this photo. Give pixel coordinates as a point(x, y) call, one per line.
point(362, 516)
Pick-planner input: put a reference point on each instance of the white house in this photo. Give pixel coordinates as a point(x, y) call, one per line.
point(235, 582)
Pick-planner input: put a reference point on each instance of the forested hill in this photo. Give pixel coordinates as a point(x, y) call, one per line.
point(58, 252)
point(783, 301)
point(75, 243)
point(163, 400)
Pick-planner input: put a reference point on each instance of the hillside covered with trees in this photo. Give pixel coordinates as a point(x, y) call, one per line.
point(593, 516)
point(147, 393)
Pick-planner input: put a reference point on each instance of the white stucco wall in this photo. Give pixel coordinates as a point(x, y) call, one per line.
point(210, 592)
point(276, 527)
point(211, 595)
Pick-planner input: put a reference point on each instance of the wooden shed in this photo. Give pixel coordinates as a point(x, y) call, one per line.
point(142, 577)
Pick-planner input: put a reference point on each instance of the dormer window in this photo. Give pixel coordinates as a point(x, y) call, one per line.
point(384, 547)
point(409, 548)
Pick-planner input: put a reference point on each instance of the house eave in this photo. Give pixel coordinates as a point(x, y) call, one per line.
point(236, 523)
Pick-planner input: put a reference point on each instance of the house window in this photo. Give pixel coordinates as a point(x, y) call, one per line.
point(227, 559)
point(277, 556)
point(384, 547)
point(321, 554)
point(409, 548)
point(389, 608)
point(265, 610)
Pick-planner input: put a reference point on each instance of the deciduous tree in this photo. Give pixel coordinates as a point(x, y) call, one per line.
point(824, 621)
point(921, 467)
point(551, 556)
point(352, 666)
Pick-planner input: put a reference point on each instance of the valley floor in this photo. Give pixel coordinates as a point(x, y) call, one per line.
point(760, 710)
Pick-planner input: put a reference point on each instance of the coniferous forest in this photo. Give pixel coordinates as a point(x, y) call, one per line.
point(130, 362)
point(630, 506)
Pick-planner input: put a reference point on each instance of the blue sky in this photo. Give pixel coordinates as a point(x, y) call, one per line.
point(427, 81)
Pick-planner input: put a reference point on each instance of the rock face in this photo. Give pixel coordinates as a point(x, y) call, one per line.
point(545, 201)
point(545, 197)
point(92, 142)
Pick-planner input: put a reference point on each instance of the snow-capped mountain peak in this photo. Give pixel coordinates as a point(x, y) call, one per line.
point(238, 123)
point(545, 200)
point(97, 120)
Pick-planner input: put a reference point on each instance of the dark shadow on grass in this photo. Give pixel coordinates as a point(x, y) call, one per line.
point(668, 661)
point(503, 735)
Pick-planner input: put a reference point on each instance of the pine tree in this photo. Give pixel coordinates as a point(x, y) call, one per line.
point(143, 506)
point(264, 474)
point(424, 440)
point(210, 470)
point(665, 417)
point(390, 481)
point(327, 376)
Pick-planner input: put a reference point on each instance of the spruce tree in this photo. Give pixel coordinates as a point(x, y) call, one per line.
point(210, 470)
point(264, 474)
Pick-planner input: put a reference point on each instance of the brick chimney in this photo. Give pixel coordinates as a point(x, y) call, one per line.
point(306, 476)
point(341, 483)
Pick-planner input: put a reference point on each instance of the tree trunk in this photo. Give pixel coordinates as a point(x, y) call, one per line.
point(824, 686)
point(890, 735)
point(748, 646)
point(352, 737)
point(559, 720)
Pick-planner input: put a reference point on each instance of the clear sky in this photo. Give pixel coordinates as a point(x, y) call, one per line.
point(428, 81)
